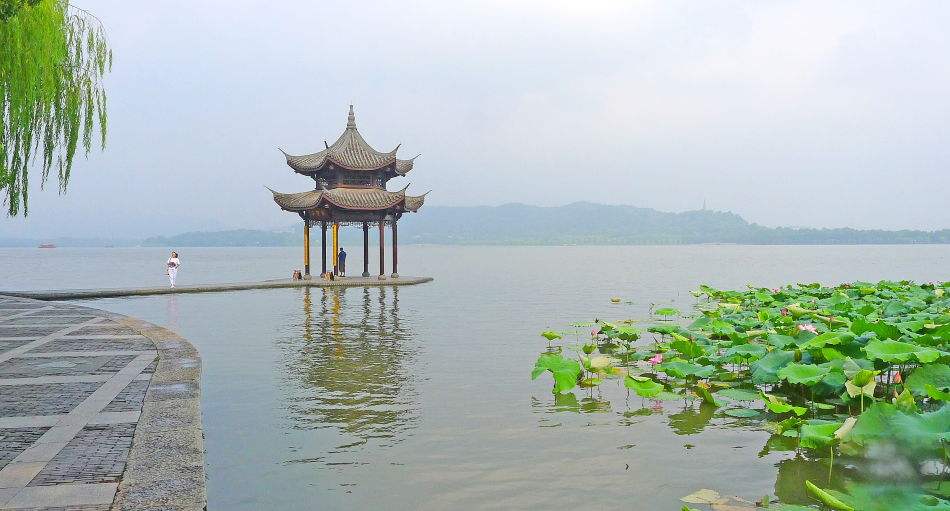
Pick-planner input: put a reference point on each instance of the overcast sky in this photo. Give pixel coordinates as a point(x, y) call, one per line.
point(787, 113)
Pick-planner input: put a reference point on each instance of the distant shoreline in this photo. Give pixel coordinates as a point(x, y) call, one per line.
point(577, 224)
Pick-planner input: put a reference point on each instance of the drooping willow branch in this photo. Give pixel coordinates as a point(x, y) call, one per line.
point(52, 62)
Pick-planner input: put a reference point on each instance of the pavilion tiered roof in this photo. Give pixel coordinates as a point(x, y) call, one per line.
point(350, 152)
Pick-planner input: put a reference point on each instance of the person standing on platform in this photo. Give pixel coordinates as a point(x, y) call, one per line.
point(171, 268)
point(341, 259)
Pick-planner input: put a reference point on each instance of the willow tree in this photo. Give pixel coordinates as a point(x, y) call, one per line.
point(53, 57)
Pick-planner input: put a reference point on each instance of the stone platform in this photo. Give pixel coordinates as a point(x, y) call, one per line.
point(98, 412)
point(75, 294)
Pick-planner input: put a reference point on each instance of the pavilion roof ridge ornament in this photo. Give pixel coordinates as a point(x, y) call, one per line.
point(351, 119)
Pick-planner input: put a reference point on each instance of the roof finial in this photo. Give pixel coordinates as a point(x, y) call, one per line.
point(351, 119)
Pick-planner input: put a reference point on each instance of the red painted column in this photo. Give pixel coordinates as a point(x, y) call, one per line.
point(365, 249)
point(395, 250)
point(382, 250)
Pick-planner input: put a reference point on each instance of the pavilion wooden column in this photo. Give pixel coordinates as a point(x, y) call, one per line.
point(336, 248)
point(395, 250)
point(382, 251)
point(306, 247)
point(323, 248)
point(365, 249)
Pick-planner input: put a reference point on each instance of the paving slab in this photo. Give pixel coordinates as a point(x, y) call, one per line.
point(75, 384)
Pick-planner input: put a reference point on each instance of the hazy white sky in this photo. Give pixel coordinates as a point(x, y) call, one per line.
point(786, 112)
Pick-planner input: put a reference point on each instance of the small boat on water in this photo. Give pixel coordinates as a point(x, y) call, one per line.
point(47, 245)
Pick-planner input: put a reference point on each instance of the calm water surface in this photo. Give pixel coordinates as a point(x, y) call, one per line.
point(420, 397)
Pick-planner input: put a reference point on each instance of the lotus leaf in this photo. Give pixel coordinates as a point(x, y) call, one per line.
point(852, 367)
point(666, 311)
point(937, 375)
point(905, 402)
point(780, 341)
point(704, 496)
point(912, 432)
point(625, 333)
point(564, 370)
point(720, 328)
point(739, 394)
point(644, 387)
point(590, 382)
point(765, 370)
point(935, 393)
point(821, 406)
point(855, 390)
point(686, 347)
point(600, 362)
point(885, 497)
point(663, 329)
point(817, 434)
point(881, 329)
point(746, 352)
point(826, 498)
point(803, 374)
point(900, 352)
point(779, 406)
point(832, 354)
point(827, 339)
point(845, 428)
point(680, 369)
point(703, 392)
point(551, 335)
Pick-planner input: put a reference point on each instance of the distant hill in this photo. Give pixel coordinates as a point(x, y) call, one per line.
point(580, 223)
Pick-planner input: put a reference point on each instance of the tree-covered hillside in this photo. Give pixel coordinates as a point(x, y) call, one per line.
point(580, 223)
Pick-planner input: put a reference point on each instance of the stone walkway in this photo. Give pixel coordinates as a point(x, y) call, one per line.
point(75, 384)
point(79, 294)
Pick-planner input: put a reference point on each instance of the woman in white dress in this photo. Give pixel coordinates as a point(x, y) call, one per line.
point(171, 268)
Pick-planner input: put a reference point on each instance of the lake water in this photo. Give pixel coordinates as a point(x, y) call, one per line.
point(420, 398)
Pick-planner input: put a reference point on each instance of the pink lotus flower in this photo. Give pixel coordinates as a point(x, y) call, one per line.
point(595, 332)
point(784, 311)
point(897, 378)
point(656, 359)
point(776, 290)
point(808, 328)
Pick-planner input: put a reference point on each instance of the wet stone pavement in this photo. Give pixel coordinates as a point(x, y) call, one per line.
point(72, 386)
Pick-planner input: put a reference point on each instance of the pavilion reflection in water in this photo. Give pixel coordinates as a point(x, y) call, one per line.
point(351, 365)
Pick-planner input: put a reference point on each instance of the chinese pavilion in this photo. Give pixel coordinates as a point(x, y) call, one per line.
point(350, 178)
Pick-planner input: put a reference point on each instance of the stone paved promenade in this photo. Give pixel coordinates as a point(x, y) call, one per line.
point(79, 294)
point(97, 411)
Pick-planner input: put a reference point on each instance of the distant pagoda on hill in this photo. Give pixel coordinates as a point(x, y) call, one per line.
point(350, 179)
